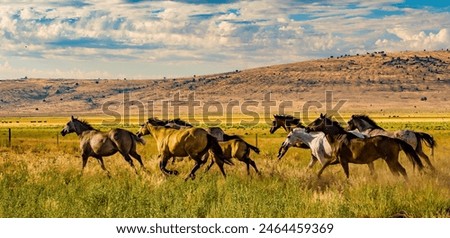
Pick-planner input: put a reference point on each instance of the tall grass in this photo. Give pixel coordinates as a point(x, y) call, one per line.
point(39, 178)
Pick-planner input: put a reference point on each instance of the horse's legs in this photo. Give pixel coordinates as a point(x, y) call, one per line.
point(327, 163)
point(210, 165)
point(395, 166)
point(198, 163)
point(312, 162)
point(344, 165)
point(371, 168)
point(85, 159)
point(163, 164)
point(129, 160)
point(220, 164)
point(249, 162)
point(425, 157)
point(138, 158)
point(102, 164)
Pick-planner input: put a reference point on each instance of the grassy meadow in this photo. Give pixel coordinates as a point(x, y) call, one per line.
point(39, 177)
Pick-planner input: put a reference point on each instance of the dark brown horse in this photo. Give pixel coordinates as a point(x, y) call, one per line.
point(287, 122)
point(193, 142)
point(98, 144)
point(347, 148)
point(366, 125)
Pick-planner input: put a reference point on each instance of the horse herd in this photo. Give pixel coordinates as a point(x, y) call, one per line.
point(362, 142)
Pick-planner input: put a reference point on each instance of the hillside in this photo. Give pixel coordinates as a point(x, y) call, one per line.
point(407, 82)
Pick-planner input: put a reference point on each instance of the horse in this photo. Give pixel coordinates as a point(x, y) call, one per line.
point(193, 142)
point(177, 123)
point(365, 124)
point(320, 147)
point(180, 124)
point(347, 148)
point(98, 144)
point(239, 149)
point(288, 123)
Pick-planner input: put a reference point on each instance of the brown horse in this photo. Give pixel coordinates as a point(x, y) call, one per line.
point(193, 142)
point(366, 125)
point(98, 144)
point(288, 123)
point(347, 148)
point(240, 150)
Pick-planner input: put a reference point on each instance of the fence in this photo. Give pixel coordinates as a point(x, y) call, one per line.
point(7, 137)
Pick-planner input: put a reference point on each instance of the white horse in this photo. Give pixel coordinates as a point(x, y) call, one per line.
point(320, 147)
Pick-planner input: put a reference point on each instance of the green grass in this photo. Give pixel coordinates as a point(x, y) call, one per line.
point(40, 178)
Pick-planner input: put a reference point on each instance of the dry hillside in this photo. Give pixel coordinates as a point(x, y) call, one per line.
point(390, 82)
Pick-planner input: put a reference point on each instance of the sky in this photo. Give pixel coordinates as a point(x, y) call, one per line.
point(143, 39)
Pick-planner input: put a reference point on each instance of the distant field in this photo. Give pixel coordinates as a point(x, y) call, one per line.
point(39, 177)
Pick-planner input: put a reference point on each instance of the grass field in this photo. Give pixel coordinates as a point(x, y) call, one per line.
point(39, 177)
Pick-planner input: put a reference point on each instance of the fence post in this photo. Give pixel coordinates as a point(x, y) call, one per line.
point(9, 137)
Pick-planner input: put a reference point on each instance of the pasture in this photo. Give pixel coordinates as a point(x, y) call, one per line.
point(39, 177)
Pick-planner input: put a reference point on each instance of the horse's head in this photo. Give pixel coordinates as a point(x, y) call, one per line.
point(70, 127)
point(319, 124)
point(143, 130)
point(279, 121)
point(351, 125)
point(275, 126)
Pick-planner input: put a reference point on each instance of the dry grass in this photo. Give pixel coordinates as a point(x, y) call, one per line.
point(370, 84)
point(41, 179)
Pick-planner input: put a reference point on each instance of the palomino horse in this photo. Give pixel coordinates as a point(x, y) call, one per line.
point(366, 125)
point(239, 149)
point(98, 144)
point(192, 142)
point(347, 148)
point(320, 147)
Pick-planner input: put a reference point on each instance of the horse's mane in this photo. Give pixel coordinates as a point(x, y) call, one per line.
point(367, 119)
point(177, 121)
point(284, 116)
point(296, 121)
point(180, 122)
point(156, 122)
point(336, 124)
point(86, 124)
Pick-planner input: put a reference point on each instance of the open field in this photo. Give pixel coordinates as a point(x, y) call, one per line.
point(40, 178)
point(407, 82)
point(39, 169)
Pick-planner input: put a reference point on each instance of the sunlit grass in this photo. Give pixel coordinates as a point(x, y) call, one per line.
point(40, 178)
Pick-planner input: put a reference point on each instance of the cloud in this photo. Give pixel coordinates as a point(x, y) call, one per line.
point(229, 33)
point(414, 40)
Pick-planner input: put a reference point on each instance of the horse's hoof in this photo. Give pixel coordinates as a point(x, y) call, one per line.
point(191, 176)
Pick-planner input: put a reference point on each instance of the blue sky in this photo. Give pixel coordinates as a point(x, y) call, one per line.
point(155, 39)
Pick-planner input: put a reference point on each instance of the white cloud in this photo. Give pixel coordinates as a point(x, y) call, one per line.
point(414, 40)
point(249, 33)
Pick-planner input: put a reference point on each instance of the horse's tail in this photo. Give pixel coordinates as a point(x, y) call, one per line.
point(231, 137)
point(410, 152)
point(213, 144)
point(428, 139)
point(254, 148)
point(137, 138)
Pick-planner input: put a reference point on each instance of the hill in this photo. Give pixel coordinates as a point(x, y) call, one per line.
point(397, 82)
